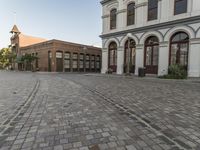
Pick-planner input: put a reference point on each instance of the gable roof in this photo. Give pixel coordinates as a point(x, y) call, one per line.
point(25, 40)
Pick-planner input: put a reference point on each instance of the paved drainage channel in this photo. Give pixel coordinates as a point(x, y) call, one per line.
point(164, 136)
point(8, 125)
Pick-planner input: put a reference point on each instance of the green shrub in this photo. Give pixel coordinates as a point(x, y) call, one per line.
point(176, 72)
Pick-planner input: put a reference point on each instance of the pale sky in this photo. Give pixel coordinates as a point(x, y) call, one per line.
point(69, 20)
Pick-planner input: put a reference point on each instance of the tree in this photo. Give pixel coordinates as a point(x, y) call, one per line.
point(6, 58)
point(28, 60)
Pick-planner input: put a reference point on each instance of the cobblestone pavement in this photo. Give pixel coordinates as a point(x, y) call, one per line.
point(79, 112)
point(14, 91)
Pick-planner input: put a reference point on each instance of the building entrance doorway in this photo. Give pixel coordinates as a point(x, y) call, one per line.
point(129, 52)
point(151, 55)
point(59, 61)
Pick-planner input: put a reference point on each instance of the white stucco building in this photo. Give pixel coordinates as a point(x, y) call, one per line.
point(154, 33)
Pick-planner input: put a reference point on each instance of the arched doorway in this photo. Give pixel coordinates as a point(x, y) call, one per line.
point(151, 55)
point(179, 48)
point(112, 56)
point(129, 47)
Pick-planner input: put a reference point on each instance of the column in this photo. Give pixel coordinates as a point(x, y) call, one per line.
point(120, 60)
point(163, 58)
point(104, 61)
point(194, 58)
point(139, 62)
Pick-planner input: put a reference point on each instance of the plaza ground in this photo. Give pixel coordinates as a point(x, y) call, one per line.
point(97, 112)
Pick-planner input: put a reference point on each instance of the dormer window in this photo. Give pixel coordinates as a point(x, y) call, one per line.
point(180, 7)
point(113, 19)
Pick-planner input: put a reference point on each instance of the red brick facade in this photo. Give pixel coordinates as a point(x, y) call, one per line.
point(55, 55)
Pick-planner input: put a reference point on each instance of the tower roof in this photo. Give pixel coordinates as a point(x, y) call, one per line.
point(15, 29)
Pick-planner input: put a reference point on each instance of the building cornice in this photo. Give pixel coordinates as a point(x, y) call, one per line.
point(103, 2)
point(54, 41)
point(163, 25)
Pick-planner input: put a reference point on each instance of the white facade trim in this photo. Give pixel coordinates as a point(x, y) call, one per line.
point(123, 41)
point(151, 33)
point(107, 43)
point(174, 30)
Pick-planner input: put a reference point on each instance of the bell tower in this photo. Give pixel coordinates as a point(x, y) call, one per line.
point(15, 45)
point(15, 39)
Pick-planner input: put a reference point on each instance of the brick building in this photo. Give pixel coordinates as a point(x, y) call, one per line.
point(55, 55)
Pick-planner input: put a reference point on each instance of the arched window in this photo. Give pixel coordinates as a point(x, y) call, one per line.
point(151, 55)
point(179, 47)
point(131, 14)
point(113, 19)
point(129, 47)
point(112, 56)
point(152, 10)
point(180, 6)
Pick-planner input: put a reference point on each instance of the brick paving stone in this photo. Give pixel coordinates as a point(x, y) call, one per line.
point(130, 147)
point(58, 147)
point(77, 144)
point(105, 134)
point(80, 112)
point(88, 137)
point(83, 148)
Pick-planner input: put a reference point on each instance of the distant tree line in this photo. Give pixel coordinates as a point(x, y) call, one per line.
point(8, 58)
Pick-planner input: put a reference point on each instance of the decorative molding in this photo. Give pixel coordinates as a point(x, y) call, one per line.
point(154, 27)
point(120, 48)
point(104, 50)
point(141, 4)
point(105, 16)
point(103, 2)
point(195, 41)
point(139, 46)
point(121, 11)
point(164, 44)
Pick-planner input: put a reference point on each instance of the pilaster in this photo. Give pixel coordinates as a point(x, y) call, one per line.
point(139, 62)
point(163, 59)
point(120, 60)
point(104, 60)
point(194, 58)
